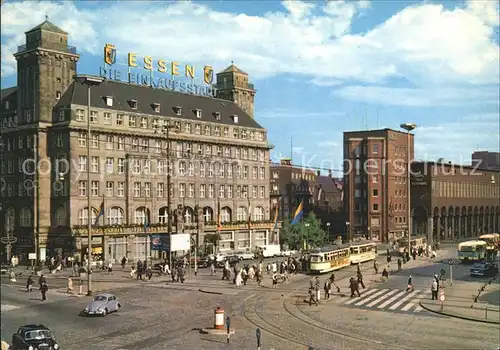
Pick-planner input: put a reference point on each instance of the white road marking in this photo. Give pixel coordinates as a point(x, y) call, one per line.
point(411, 295)
point(387, 302)
point(9, 307)
point(373, 296)
point(368, 292)
point(378, 300)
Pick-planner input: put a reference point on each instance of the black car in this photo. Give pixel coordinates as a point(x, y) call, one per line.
point(34, 336)
point(484, 269)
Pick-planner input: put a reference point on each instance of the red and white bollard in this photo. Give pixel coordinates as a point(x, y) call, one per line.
point(219, 318)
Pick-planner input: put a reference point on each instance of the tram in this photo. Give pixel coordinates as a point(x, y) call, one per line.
point(416, 243)
point(329, 258)
point(362, 251)
point(492, 241)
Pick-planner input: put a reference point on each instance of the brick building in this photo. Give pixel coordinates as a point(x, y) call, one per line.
point(454, 202)
point(375, 183)
point(329, 205)
point(486, 160)
point(218, 158)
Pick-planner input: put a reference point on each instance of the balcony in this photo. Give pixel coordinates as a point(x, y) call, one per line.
point(240, 225)
point(81, 230)
point(57, 47)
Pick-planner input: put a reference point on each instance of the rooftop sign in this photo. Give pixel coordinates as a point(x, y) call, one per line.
point(158, 73)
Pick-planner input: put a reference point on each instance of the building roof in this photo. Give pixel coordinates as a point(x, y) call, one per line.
point(233, 69)
point(328, 184)
point(4, 93)
point(450, 164)
point(375, 131)
point(48, 26)
point(147, 97)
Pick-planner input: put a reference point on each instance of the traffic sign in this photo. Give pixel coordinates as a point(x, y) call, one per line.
point(8, 240)
point(450, 262)
point(443, 272)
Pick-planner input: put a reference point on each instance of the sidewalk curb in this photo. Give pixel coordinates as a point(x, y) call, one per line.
point(422, 305)
point(210, 292)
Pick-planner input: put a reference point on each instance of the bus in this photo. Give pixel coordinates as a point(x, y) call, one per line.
point(416, 242)
point(362, 251)
point(472, 251)
point(329, 258)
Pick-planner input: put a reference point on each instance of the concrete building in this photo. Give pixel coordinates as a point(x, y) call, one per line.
point(218, 159)
point(486, 160)
point(454, 202)
point(375, 183)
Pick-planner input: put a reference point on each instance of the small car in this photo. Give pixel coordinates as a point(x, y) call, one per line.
point(483, 269)
point(245, 255)
point(102, 305)
point(33, 336)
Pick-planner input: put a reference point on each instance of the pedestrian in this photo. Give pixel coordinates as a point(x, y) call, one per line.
point(29, 283)
point(275, 280)
point(360, 279)
point(41, 280)
point(434, 289)
point(385, 276)
point(327, 289)
point(69, 288)
point(244, 276)
point(110, 268)
point(353, 285)
point(212, 268)
point(238, 279)
point(375, 266)
point(124, 261)
point(410, 284)
point(12, 276)
point(43, 289)
point(399, 264)
point(312, 297)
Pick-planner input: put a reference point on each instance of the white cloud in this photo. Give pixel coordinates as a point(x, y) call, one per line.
point(328, 144)
point(455, 141)
point(420, 97)
point(296, 114)
point(426, 44)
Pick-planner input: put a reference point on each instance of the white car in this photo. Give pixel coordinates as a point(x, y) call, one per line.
point(218, 257)
point(288, 253)
point(246, 255)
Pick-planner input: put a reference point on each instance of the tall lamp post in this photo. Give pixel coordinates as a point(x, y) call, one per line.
point(90, 81)
point(328, 230)
point(408, 127)
point(165, 131)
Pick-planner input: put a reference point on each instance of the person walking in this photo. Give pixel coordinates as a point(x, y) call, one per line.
point(385, 275)
point(212, 268)
point(312, 297)
point(275, 280)
point(399, 264)
point(434, 289)
point(29, 283)
point(69, 288)
point(110, 268)
point(410, 284)
point(360, 278)
point(327, 288)
point(43, 289)
point(375, 266)
point(353, 285)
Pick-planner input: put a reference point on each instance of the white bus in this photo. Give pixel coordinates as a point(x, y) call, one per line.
point(472, 251)
point(362, 251)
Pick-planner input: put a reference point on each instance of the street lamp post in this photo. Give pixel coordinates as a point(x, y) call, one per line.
point(408, 127)
point(165, 130)
point(307, 235)
point(328, 230)
point(90, 81)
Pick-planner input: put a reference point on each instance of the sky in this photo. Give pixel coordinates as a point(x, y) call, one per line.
point(320, 68)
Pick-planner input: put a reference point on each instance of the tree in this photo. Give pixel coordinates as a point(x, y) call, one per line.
point(308, 230)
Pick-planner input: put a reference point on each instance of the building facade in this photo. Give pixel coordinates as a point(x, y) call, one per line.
point(218, 160)
point(486, 160)
point(328, 204)
point(453, 202)
point(375, 183)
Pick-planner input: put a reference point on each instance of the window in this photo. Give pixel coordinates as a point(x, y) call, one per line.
point(94, 188)
point(120, 189)
point(119, 119)
point(58, 95)
point(25, 217)
point(121, 166)
point(207, 130)
point(94, 116)
point(229, 170)
point(217, 131)
point(254, 173)
point(147, 189)
point(235, 119)
point(110, 165)
point(222, 191)
point(190, 169)
point(178, 110)
point(156, 107)
point(226, 132)
point(225, 214)
point(61, 217)
point(210, 170)
point(254, 191)
point(109, 188)
point(258, 214)
point(137, 189)
point(182, 190)
point(182, 168)
point(146, 166)
point(133, 104)
point(262, 192)
point(375, 193)
point(191, 191)
point(188, 215)
point(83, 216)
point(163, 215)
point(187, 128)
point(197, 129)
point(375, 148)
point(202, 190)
point(242, 214)
point(144, 122)
point(375, 207)
point(132, 121)
point(136, 166)
point(61, 115)
point(198, 113)
point(229, 191)
point(160, 189)
point(109, 142)
point(144, 145)
point(202, 170)
point(80, 115)
point(244, 134)
point(109, 101)
point(115, 216)
point(94, 141)
point(141, 215)
point(211, 191)
point(94, 165)
point(82, 163)
point(82, 188)
point(374, 179)
point(245, 172)
point(219, 151)
point(357, 193)
point(217, 115)
point(82, 139)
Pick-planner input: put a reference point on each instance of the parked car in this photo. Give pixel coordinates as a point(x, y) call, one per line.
point(288, 253)
point(245, 255)
point(201, 261)
point(33, 336)
point(220, 257)
point(484, 269)
point(102, 305)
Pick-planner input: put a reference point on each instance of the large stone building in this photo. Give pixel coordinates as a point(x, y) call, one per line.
point(218, 159)
point(454, 202)
point(486, 160)
point(375, 183)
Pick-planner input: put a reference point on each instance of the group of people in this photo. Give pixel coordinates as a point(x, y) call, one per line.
point(42, 285)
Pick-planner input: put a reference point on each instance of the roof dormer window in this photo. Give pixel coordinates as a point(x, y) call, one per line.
point(198, 113)
point(156, 107)
point(235, 119)
point(109, 101)
point(133, 104)
point(217, 115)
point(178, 110)
point(6, 104)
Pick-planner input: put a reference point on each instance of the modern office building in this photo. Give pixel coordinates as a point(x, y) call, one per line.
point(375, 183)
point(218, 159)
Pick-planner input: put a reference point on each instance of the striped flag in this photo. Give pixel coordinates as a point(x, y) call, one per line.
point(298, 214)
point(100, 212)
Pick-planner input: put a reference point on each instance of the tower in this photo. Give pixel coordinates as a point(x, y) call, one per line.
point(45, 68)
point(233, 85)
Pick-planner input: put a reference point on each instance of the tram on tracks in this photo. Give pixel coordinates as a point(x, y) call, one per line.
point(361, 252)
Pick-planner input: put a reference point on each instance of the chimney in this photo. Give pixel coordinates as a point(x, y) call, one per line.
point(318, 173)
point(330, 173)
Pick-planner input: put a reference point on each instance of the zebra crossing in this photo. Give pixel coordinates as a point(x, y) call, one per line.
point(394, 300)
